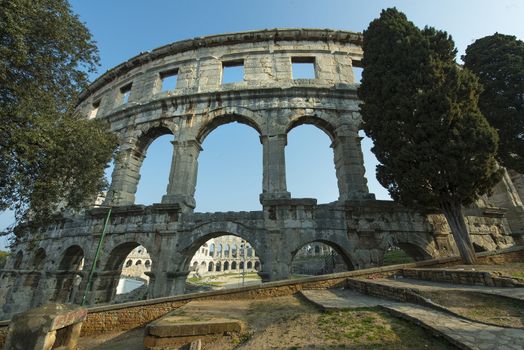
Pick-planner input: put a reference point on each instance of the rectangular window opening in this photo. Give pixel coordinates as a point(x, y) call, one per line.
point(303, 67)
point(357, 74)
point(232, 72)
point(94, 109)
point(125, 91)
point(169, 80)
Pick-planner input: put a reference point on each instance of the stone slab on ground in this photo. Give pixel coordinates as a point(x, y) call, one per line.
point(462, 333)
point(336, 299)
point(195, 320)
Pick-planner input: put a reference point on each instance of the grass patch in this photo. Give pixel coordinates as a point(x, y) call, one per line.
point(371, 328)
point(395, 257)
point(481, 307)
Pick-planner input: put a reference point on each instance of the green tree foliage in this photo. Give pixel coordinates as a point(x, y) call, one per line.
point(48, 156)
point(498, 61)
point(434, 147)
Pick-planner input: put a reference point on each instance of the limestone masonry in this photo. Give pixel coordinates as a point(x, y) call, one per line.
point(53, 263)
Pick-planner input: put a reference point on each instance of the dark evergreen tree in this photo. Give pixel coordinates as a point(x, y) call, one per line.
point(498, 61)
point(48, 156)
point(434, 147)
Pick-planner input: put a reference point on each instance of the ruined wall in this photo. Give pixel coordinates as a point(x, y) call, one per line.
point(53, 263)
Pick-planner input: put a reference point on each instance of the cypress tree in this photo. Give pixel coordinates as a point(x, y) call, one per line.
point(434, 147)
point(498, 61)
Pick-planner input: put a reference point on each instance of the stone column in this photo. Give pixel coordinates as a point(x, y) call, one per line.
point(274, 167)
point(125, 177)
point(179, 278)
point(183, 174)
point(349, 165)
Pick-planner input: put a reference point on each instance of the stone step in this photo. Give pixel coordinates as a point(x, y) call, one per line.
point(188, 326)
point(462, 276)
point(462, 333)
point(403, 289)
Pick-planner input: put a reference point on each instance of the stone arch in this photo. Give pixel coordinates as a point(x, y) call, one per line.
point(39, 259)
point(479, 247)
point(226, 265)
point(19, 257)
point(418, 247)
point(118, 255)
point(105, 288)
point(71, 258)
point(326, 147)
point(207, 231)
point(228, 115)
point(129, 159)
point(340, 248)
point(68, 282)
point(234, 265)
point(211, 267)
point(249, 265)
point(148, 135)
point(414, 251)
point(321, 123)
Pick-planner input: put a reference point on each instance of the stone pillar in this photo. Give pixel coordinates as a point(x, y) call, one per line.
point(276, 259)
point(179, 278)
point(183, 174)
point(125, 177)
point(274, 167)
point(349, 165)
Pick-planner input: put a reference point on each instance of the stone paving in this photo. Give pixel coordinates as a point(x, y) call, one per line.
point(462, 333)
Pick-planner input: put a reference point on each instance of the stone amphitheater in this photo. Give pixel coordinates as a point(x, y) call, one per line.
point(53, 263)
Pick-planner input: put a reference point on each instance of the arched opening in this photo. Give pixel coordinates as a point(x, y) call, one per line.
point(478, 248)
point(230, 166)
point(39, 259)
point(309, 260)
point(121, 282)
point(370, 166)
point(18, 260)
point(69, 277)
point(403, 253)
point(157, 154)
point(222, 270)
point(310, 169)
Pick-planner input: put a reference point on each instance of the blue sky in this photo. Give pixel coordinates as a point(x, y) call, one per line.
point(230, 173)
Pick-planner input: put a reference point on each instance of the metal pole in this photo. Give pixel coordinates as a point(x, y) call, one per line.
point(244, 265)
point(97, 254)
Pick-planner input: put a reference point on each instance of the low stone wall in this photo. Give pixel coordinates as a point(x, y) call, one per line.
point(467, 277)
point(122, 317)
point(384, 291)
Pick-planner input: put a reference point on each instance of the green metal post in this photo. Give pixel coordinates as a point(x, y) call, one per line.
point(97, 254)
